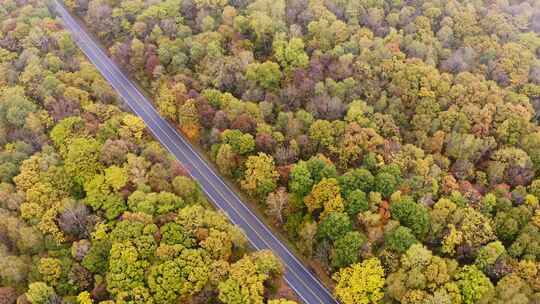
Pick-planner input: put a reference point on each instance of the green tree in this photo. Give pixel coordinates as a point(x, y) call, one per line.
point(267, 74)
point(290, 55)
point(385, 183)
point(240, 142)
point(15, 107)
point(66, 130)
point(346, 249)
point(300, 181)
point(116, 177)
point(356, 202)
point(97, 257)
point(400, 239)
point(412, 215)
point(334, 226)
point(422, 275)
point(356, 179)
point(488, 255)
point(187, 189)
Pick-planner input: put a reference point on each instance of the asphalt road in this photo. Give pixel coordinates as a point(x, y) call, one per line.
point(299, 278)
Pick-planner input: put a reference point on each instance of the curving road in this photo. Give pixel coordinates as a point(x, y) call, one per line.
point(299, 278)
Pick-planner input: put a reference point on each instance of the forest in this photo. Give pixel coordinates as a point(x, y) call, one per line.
point(395, 143)
point(92, 209)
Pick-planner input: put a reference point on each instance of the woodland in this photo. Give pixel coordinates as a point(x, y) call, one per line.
point(394, 143)
point(92, 209)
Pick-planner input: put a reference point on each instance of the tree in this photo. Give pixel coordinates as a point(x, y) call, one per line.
point(281, 301)
point(96, 259)
point(357, 201)
point(244, 283)
point(218, 244)
point(8, 295)
point(240, 143)
point(116, 177)
point(513, 289)
point(132, 127)
point(114, 152)
point(360, 283)
point(400, 239)
point(474, 226)
point(333, 226)
point(188, 118)
point(277, 203)
point(166, 101)
point(82, 159)
point(14, 270)
point(260, 176)
point(50, 270)
point(325, 194)
point(300, 181)
point(291, 54)
point(126, 268)
point(66, 130)
point(526, 244)
point(322, 132)
point(531, 145)
point(15, 107)
point(185, 275)
point(411, 215)
point(356, 179)
point(346, 249)
point(473, 284)
point(137, 53)
point(385, 183)
point(155, 203)
point(187, 189)
point(489, 254)
point(266, 74)
point(226, 159)
point(422, 275)
point(40, 293)
point(174, 233)
point(100, 196)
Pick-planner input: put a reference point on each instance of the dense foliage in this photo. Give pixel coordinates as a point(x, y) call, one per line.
point(401, 130)
point(92, 210)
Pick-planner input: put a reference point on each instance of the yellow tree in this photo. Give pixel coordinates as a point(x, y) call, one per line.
point(325, 194)
point(188, 117)
point(132, 127)
point(360, 283)
point(166, 101)
point(260, 177)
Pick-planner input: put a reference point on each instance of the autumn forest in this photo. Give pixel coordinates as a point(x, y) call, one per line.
point(394, 144)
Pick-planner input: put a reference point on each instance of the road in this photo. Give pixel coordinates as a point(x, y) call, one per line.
point(300, 279)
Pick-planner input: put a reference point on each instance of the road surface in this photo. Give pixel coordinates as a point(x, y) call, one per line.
point(299, 278)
